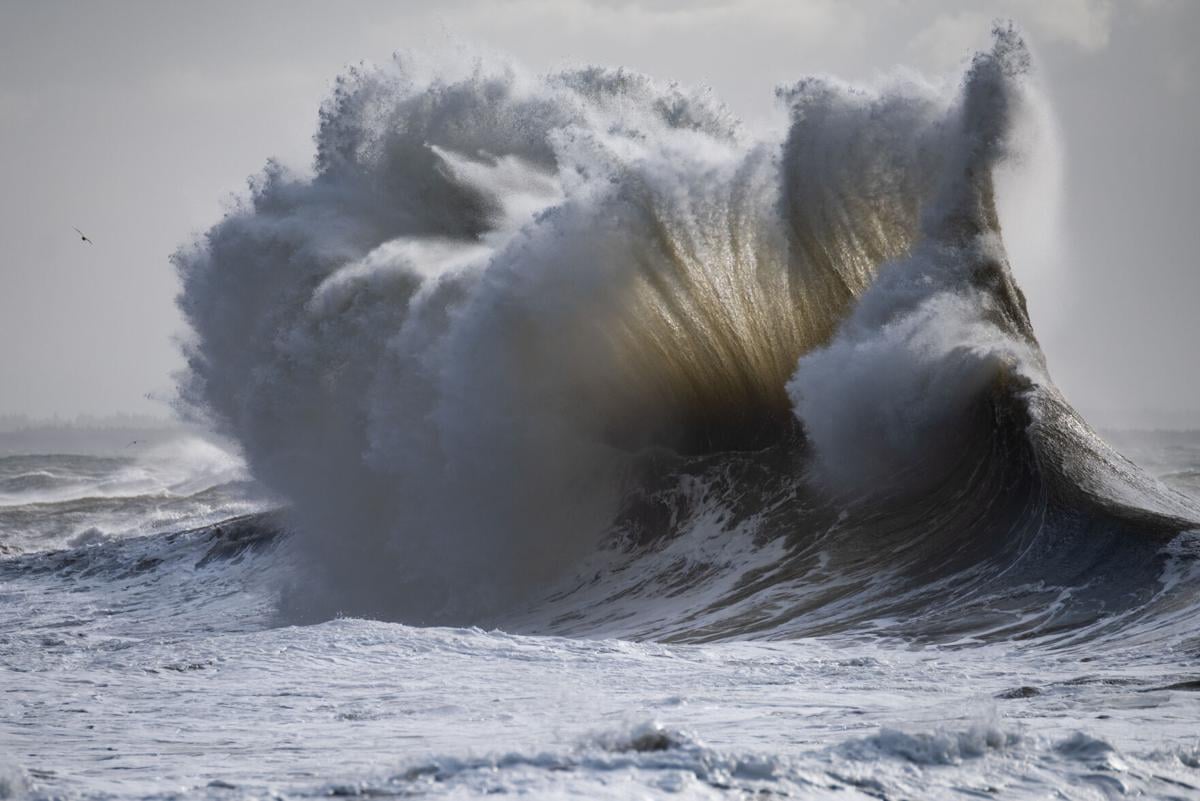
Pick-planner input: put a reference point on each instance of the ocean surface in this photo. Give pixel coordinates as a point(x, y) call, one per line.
point(565, 438)
point(142, 655)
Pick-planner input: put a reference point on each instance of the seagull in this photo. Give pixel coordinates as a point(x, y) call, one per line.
point(83, 236)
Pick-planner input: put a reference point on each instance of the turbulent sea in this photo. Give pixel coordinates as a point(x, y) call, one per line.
point(571, 440)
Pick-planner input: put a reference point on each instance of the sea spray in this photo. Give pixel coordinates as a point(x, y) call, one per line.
point(460, 349)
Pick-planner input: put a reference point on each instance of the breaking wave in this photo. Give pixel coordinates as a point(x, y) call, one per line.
point(54, 500)
point(554, 351)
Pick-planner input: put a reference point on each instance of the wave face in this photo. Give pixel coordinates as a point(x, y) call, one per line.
point(580, 353)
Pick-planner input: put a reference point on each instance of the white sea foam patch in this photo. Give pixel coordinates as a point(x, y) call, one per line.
point(187, 643)
point(934, 748)
point(650, 760)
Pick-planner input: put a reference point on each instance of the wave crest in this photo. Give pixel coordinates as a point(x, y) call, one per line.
point(453, 347)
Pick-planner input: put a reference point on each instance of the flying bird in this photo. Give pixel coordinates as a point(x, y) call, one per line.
point(83, 236)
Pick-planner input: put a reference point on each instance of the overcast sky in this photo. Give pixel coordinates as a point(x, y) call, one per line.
point(137, 121)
